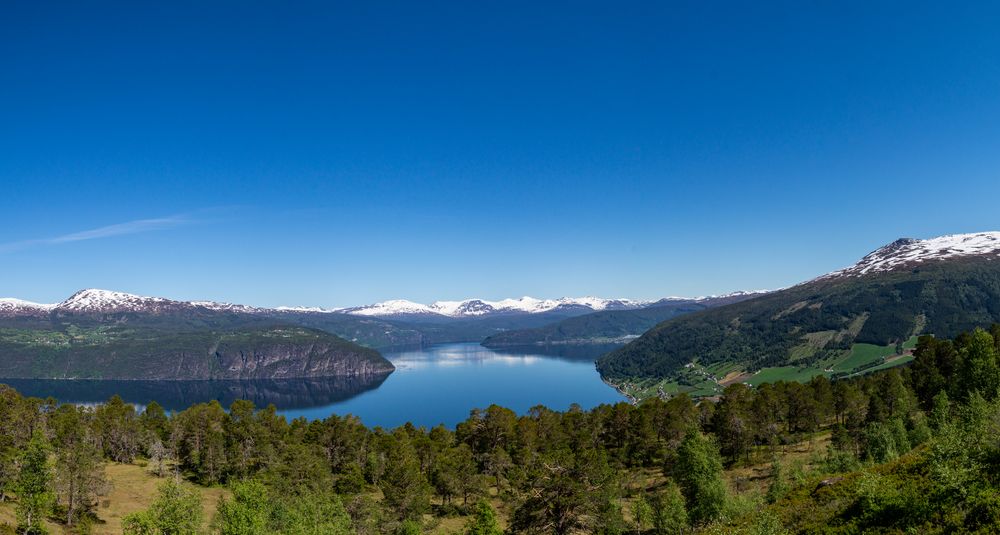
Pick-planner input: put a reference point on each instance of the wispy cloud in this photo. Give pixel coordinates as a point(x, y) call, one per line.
point(119, 229)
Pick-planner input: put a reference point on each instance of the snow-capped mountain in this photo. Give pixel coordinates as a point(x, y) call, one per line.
point(906, 252)
point(480, 307)
point(10, 307)
point(96, 301)
point(715, 299)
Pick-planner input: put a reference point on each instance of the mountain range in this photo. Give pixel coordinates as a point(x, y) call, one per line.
point(941, 286)
point(909, 287)
point(610, 326)
point(103, 334)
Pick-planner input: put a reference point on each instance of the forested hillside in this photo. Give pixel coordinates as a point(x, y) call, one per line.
point(818, 322)
point(908, 449)
point(202, 345)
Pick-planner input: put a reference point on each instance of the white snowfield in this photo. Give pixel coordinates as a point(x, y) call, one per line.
point(9, 306)
point(480, 307)
point(529, 305)
point(908, 251)
point(93, 300)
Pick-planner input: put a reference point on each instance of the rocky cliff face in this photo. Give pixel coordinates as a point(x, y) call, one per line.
point(125, 351)
point(293, 360)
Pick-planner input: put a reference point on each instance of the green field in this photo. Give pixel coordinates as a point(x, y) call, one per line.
point(898, 362)
point(785, 373)
point(862, 355)
point(862, 358)
point(700, 381)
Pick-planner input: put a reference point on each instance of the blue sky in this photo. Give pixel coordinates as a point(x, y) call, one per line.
point(335, 154)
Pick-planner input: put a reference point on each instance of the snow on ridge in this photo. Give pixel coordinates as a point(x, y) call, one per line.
point(392, 307)
point(10, 306)
point(907, 251)
point(93, 299)
point(319, 310)
point(226, 307)
point(482, 307)
point(739, 293)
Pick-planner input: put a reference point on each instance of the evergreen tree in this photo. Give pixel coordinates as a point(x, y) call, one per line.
point(778, 486)
point(567, 492)
point(404, 486)
point(118, 430)
point(79, 471)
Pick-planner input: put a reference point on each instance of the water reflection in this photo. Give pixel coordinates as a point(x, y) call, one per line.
point(432, 385)
point(285, 394)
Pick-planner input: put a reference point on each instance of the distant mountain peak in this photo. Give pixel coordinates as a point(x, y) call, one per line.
point(906, 252)
point(482, 307)
point(10, 306)
point(97, 300)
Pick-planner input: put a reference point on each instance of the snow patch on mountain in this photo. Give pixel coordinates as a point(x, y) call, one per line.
point(95, 300)
point(908, 251)
point(314, 310)
point(226, 307)
point(10, 306)
point(482, 307)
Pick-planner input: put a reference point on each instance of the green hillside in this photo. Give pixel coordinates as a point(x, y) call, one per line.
point(166, 347)
point(817, 324)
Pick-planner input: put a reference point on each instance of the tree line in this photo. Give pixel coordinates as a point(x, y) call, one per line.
point(545, 471)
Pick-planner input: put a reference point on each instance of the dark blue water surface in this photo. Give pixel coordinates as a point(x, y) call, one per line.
point(434, 385)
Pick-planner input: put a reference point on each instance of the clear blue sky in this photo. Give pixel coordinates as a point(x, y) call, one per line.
point(334, 154)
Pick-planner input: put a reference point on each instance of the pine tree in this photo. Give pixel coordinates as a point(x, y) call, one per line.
point(79, 471)
point(406, 490)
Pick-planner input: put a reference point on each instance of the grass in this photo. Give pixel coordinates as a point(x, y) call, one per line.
point(862, 354)
point(890, 363)
point(133, 489)
point(784, 373)
point(862, 358)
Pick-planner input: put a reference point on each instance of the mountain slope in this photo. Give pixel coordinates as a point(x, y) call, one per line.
point(942, 286)
point(111, 335)
point(610, 325)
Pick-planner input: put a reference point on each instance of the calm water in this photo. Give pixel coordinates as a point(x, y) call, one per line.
point(439, 384)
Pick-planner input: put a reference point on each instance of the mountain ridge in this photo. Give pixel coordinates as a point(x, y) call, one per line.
point(940, 286)
point(94, 300)
point(611, 326)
